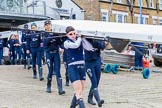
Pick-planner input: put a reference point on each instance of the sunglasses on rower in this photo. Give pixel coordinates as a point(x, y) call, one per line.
point(72, 33)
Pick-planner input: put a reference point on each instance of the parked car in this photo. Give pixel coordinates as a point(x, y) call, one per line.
point(157, 56)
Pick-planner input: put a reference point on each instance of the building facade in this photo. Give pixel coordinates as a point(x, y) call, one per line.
point(56, 9)
point(124, 11)
point(91, 7)
point(17, 12)
point(14, 13)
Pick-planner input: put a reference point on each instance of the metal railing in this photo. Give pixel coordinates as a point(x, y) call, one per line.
point(11, 6)
point(37, 7)
point(14, 6)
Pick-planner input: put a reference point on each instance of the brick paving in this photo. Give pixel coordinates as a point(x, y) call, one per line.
point(124, 90)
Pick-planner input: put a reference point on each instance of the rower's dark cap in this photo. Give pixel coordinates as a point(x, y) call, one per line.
point(33, 24)
point(0, 35)
point(26, 26)
point(69, 29)
point(47, 22)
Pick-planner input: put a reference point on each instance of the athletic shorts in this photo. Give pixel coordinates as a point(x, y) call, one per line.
point(76, 72)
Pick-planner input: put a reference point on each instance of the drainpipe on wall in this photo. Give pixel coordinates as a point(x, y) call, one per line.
point(132, 9)
point(157, 10)
point(110, 9)
point(141, 19)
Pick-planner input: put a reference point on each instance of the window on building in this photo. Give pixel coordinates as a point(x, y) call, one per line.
point(160, 22)
point(160, 4)
point(138, 20)
point(154, 21)
point(103, 18)
point(151, 3)
point(119, 1)
point(115, 16)
point(120, 17)
point(74, 16)
point(144, 20)
point(141, 2)
point(104, 14)
point(125, 18)
point(128, 2)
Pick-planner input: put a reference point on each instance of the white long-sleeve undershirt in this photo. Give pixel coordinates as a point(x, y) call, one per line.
point(73, 45)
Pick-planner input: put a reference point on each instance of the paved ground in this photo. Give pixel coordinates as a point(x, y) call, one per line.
point(124, 90)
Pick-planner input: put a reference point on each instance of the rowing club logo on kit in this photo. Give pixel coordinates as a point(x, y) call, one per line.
point(34, 39)
point(48, 62)
point(59, 3)
point(89, 72)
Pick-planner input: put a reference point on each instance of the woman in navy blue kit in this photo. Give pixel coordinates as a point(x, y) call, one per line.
point(1, 48)
point(33, 43)
point(75, 61)
point(93, 69)
point(18, 50)
point(51, 47)
point(11, 42)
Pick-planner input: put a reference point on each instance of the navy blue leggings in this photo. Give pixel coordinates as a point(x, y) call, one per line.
point(24, 51)
point(93, 69)
point(53, 63)
point(1, 55)
point(36, 57)
point(18, 52)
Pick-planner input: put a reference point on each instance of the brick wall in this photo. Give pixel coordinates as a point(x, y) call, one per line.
point(91, 7)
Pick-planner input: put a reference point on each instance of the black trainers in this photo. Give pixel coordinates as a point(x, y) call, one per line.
point(100, 103)
point(61, 92)
point(29, 67)
point(34, 77)
point(48, 90)
point(41, 79)
point(67, 84)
